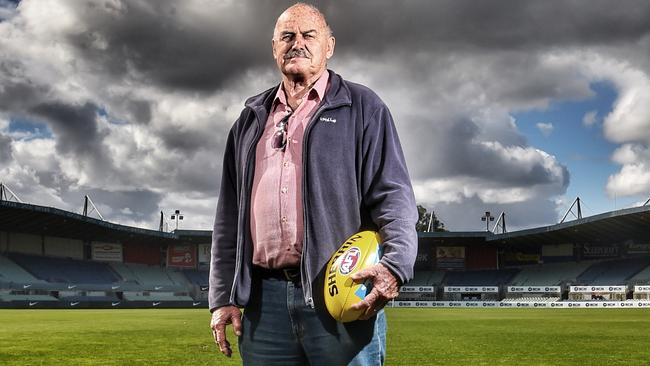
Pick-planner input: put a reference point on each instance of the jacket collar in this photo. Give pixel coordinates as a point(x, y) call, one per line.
point(338, 93)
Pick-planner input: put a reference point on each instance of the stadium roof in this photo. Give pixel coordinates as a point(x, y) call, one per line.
point(453, 238)
point(33, 219)
point(607, 228)
point(610, 227)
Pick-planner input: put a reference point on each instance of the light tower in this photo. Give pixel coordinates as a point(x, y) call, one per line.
point(487, 218)
point(177, 216)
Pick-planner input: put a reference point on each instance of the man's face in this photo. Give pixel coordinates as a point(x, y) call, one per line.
point(301, 44)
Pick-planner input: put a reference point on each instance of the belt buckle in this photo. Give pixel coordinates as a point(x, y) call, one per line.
point(287, 274)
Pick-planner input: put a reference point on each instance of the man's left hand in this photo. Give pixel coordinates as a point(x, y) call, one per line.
point(385, 287)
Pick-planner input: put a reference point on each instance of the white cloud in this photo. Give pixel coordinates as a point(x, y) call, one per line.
point(634, 176)
point(589, 119)
point(545, 128)
point(457, 189)
point(629, 120)
point(628, 123)
point(630, 180)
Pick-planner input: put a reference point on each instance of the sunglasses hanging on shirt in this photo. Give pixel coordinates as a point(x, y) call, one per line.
point(279, 141)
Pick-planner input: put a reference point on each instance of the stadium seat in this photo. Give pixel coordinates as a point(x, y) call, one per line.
point(615, 272)
point(643, 277)
point(550, 274)
point(199, 278)
point(10, 272)
point(150, 277)
point(64, 270)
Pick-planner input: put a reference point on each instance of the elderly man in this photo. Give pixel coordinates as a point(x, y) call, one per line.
point(308, 163)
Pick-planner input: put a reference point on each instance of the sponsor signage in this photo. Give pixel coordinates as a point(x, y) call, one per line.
point(590, 289)
point(594, 251)
point(638, 248)
point(450, 257)
point(515, 258)
point(535, 289)
point(522, 304)
point(183, 256)
point(417, 289)
point(474, 289)
point(642, 289)
point(106, 252)
point(559, 250)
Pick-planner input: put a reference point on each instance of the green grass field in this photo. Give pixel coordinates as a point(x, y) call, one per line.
point(415, 337)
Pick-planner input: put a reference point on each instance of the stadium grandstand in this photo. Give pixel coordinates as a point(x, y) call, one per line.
point(50, 258)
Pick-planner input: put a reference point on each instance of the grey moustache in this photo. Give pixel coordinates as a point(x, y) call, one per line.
point(296, 53)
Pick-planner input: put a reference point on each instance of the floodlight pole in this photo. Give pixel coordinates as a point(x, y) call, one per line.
point(178, 215)
point(487, 218)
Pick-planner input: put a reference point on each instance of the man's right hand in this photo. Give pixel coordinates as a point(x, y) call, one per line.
point(220, 318)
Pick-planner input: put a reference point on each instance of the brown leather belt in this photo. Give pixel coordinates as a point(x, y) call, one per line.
point(285, 274)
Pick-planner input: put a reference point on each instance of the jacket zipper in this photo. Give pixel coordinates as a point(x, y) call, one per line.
point(243, 205)
point(304, 271)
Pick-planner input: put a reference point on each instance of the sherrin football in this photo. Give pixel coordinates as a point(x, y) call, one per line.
point(360, 251)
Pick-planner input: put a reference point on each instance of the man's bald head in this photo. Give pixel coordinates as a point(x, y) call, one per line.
point(302, 43)
point(302, 10)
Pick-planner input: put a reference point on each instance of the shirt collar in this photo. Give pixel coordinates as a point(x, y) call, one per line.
point(316, 92)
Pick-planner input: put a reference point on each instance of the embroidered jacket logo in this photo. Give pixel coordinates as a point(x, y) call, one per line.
point(327, 119)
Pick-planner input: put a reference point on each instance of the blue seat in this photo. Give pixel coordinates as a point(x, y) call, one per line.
point(615, 272)
point(65, 270)
point(196, 277)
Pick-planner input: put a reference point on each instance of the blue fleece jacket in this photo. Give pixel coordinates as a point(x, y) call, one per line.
point(354, 178)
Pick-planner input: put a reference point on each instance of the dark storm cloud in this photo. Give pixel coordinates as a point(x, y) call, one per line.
point(5, 149)
point(17, 91)
point(74, 126)
point(453, 151)
point(140, 110)
point(389, 26)
point(186, 140)
point(167, 46)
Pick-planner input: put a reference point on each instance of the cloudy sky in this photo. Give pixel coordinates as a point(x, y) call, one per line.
point(515, 106)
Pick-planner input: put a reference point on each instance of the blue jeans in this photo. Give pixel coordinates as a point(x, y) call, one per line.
point(279, 329)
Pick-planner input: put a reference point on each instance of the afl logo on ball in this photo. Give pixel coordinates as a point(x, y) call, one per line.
point(350, 260)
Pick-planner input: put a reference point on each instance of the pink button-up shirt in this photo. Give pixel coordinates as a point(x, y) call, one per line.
point(276, 206)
